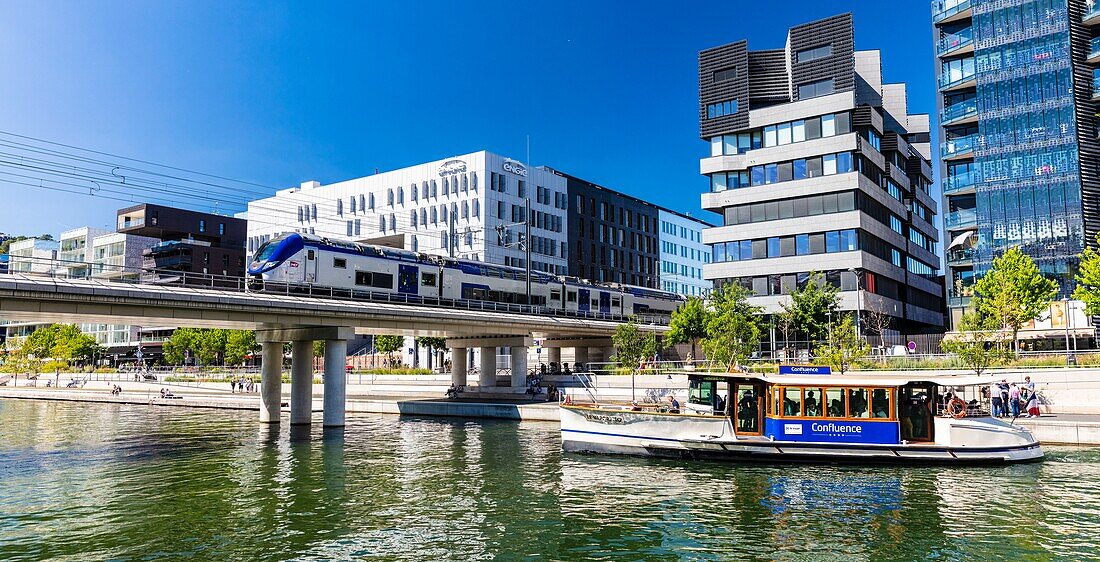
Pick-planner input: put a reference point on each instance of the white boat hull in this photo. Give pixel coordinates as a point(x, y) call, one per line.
point(967, 441)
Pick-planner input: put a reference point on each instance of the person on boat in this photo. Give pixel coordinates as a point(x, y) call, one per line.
point(995, 399)
point(673, 405)
point(836, 408)
point(811, 404)
point(1004, 397)
point(1014, 399)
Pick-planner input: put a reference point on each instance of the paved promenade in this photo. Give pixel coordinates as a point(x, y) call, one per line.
point(424, 398)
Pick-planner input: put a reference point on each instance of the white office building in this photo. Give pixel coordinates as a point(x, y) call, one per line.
point(119, 256)
point(32, 256)
point(683, 254)
point(451, 206)
point(75, 256)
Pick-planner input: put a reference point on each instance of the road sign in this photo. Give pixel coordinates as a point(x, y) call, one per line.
point(912, 345)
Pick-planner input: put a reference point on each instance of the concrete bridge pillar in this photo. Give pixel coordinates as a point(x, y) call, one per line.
point(458, 366)
point(271, 381)
point(301, 382)
point(488, 376)
point(336, 382)
point(553, 355)
point(519, 366)
point(580, 354)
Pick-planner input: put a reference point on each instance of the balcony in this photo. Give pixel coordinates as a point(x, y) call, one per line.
point(1091, 15)
point(1094, 51)
point(964, 256)
point(956, 44)
point(963, 218)
point(954, 81)
point(960, 113)
point(957, 184)
point(947, 11)
point(960, 147)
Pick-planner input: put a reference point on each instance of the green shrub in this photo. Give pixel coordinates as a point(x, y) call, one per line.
point(52, 366)
point(392, 371)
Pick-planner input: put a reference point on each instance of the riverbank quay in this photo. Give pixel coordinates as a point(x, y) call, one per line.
point(1056, 428)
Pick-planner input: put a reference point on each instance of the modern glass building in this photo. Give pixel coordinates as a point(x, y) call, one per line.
point(1017, 85)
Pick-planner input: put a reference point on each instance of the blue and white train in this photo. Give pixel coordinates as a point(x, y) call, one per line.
point(303, 260)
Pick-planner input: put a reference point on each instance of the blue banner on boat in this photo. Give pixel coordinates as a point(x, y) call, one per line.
point(829, 431)
point(805, 370)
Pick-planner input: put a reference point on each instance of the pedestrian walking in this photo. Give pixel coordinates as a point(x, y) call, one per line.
point(233, 386)
point(1014, 399)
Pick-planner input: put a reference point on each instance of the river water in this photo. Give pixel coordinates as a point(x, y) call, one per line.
point(124, 482)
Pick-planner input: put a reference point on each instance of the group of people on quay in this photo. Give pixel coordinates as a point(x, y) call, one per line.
point(242, 384)
point(1013, 399)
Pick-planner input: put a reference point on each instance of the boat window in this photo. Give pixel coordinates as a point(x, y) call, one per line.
point(792, 401)
point(701, 392)
point(773, 404)
point(812, 402)
point(857, 402)
point(834, 402)
point(880, 403)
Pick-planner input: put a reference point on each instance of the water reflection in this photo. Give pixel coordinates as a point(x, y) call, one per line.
point(111, 481)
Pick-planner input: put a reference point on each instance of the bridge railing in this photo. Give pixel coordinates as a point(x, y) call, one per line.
point(108, 273)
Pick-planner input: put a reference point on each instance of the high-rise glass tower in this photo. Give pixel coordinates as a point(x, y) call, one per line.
point(1018, 137)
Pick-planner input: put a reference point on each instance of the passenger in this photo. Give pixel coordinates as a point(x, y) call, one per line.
point(720, 407)
point(811, 405)
point(673, 405)
point(997, 405)
point(836, 408)
point(1014, 399)
point(881, 403)
point(1004, 397)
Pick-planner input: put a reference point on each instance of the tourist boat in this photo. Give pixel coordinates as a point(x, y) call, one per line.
point(806, 413)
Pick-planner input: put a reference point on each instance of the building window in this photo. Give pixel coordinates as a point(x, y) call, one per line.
point(340, 206)
point(725, 74)
point(202, 226)
point(721, 109)
point(815, 89)
point(807, 55)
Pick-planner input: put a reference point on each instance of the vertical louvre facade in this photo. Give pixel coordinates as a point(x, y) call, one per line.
point(820, 169)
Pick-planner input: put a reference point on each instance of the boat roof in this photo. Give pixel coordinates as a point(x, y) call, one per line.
point(853, 379)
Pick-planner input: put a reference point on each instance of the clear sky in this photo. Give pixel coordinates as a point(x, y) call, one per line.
point(324, 91)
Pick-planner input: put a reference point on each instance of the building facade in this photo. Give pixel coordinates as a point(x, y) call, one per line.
point(1017, 82)
point(119, 256)
point(75, 255)
point(188, 241)
point(683, 254)
point(612, 236)
point(452, 206)
point(33, 255)
point(816, 166)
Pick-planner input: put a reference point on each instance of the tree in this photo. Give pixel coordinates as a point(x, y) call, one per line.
point(179, 346)
point(733, 329)
point(434, 346)
point(72, 344)
point(205, 346)
point(1088, 280)
point(1013, 292)
point(877, 321)
point(813, 306)
point(41, 342)
point(632, 345)
point(239, 344)
point(842, 347)
point(318, 348)
point(977, 342)
point(688, 324)
point(388, 344)
point(784, 321)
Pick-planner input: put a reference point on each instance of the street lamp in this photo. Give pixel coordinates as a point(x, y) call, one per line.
point(859, 299)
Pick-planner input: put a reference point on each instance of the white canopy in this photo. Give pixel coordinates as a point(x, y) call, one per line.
point(960, 239)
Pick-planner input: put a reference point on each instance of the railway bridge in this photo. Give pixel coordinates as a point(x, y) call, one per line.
point(302, 319)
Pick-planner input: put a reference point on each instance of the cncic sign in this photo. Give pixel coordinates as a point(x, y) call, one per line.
point(452, 167)
point(515, 168)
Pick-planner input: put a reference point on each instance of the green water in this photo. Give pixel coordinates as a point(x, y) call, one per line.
point(95, 482)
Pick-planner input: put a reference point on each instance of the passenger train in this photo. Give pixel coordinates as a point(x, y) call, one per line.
point(301, 260)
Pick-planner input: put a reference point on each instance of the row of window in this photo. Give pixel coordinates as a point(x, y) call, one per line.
point(790, 208)
point(721, 109)
point(827, 403)
point(826, 165)
point(684, 288)
point(681, 269)
point(816, 88)
point(607, 213)
point(785, 284)
point(784, 246)
point(681, 231)
point(684, 251)
point(782, 133)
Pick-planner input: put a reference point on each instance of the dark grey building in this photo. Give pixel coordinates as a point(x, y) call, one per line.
point(191, 241)
point(816, 166)
point(612, 236)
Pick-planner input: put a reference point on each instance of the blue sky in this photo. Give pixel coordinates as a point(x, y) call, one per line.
point(282, 94)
